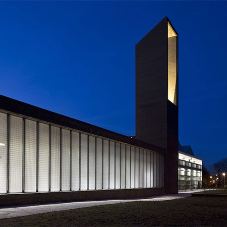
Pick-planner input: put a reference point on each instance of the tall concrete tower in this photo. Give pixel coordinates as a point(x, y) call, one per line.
point(157, 95)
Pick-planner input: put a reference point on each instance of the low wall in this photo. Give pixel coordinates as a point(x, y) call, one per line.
point(52, 197)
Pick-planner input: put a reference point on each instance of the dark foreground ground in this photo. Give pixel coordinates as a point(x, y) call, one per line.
point(191, 211)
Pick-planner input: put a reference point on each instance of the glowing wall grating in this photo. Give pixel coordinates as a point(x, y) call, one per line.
point(84, 161)
point(3, 153)
point(137, 167)
point(99, 170)
point(122, 166)
point(15, 154)
point(30, 155)
point(43, 158)
point(105, 164)
point(132, 167)
point(112, 165)
point(91, 163)
point(128, 167)
point(65, 160)
point(55, 159)
point(118, 166)
point(75, 161)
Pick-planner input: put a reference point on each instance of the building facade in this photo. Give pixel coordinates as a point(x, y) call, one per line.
point(42, 151)
point(47, 156)
point(189, 170)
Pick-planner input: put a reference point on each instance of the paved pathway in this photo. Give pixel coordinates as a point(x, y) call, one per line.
point(37, 209)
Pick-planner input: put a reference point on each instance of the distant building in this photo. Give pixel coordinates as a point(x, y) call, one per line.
point(189, 169)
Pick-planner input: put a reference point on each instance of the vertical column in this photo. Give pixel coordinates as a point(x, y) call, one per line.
point(105, 164)
point(122, 166)
point(84, 161)
point(15, 154)
point(75, 161)
point(128, 167)
point(112, 165)
point(23, 154)
point(92, 161)
point(30, 155)
point(3, 153)
point(99, 164)
point(37, 156)
point(43, 157)
point(132, 167)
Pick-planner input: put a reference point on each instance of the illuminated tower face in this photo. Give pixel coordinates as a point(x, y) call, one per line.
point(172, 65)
point(157, 94)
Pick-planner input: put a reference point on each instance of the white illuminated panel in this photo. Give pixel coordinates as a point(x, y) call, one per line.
point(30, 156)
point(148, 169)
point(99, 164)
point(112, 164)
point(158, 170)
point(15, 154)
point(137, 167)
point(3, 152)
point(152, 169)
point(145, 169)
point(105, 164)
point(141, 168)
point(55, 159)
point(118, 166)
point(84, 160)
point(122, 166)
point(43, 154)
point(132, 167)
point(128, 177)
point(155, 169)
point(162, 170)
point(65, 160)
point(91, 162)
point(75, 161)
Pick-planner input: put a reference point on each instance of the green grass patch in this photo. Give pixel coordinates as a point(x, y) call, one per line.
point(214, 191)
point(191, 211)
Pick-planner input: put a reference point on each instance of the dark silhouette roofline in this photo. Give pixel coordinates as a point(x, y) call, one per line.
point(22, 109)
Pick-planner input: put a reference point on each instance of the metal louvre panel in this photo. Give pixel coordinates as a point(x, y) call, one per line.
point(141, 168)
point(152, 169)
point(43, 160)
point(155, 170)
point(99, 164)
point(112, 164)
point(118, 166)
point(145, 169)
point(128, 177)
point(162, 170)
point(84, 161)
point(158, 171)
point(148, 169)
point(105, 164)
point(122, 166)
point(75, 161)
point(91, 162)
point(55, 159)
point(137, 158)
point(132, 167)
point(30, 155)
point(65, 160)
point(15, 154)
point(3, 153)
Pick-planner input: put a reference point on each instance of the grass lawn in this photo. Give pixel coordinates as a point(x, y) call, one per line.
point(191, 211)
point(214, 191)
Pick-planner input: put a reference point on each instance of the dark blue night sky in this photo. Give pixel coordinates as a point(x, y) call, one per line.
point(78, 59)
